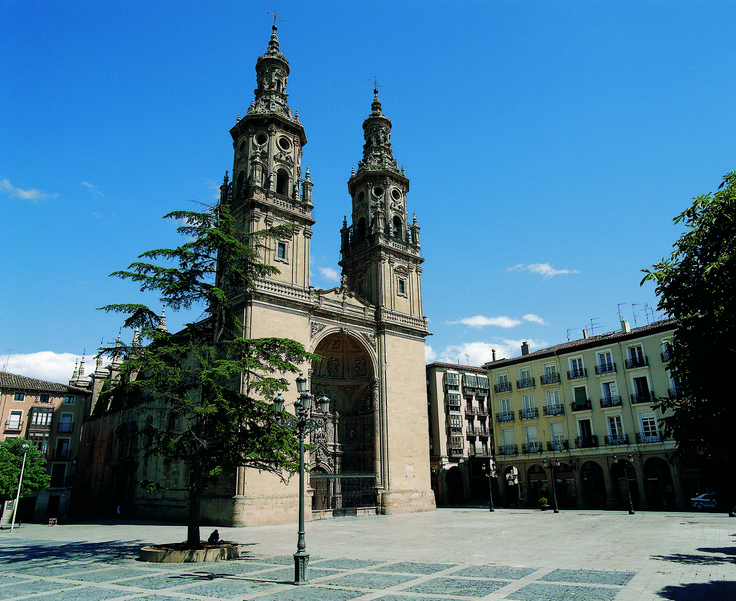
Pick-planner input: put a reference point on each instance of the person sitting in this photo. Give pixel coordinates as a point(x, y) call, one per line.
point(214, 537)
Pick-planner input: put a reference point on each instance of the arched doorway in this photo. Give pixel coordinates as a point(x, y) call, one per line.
point(455, 486)
point(567, 494)
point(513, 490)
point(538, 484)
point(658, 484)
point(621, 472)
point(593, 484)
point(344, 454)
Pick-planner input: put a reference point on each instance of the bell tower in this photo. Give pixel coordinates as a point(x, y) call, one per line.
point(268, 187)
point(380, 248)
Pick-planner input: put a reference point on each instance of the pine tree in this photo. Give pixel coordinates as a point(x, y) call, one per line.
point(200, 392)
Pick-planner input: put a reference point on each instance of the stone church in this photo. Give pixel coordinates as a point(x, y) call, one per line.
point(373, 455)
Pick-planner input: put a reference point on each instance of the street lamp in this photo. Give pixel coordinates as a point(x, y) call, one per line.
point(490, 483)
point(25, 448)
point(302, 424)
point(626, 478)
point(552, 464)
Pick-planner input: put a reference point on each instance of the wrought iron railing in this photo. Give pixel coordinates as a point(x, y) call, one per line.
point(529, 413)
point(633, 362)
point(614, 440)
point(605, 368)
point(508, 449)
point(551, 410)
point(577, 374)
point(558, 445)
point(504, 416)
point(551, 378)
point(525, 383)
point(611, 401)
point(531, 447)
point(642, 438)
point(502, 387)
point(639, 398)
point(586, 442)
point(585, 405)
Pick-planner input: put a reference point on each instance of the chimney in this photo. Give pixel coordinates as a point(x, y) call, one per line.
point(524, 348)
point(585, 334)
point(493, 352)
point(625, 327)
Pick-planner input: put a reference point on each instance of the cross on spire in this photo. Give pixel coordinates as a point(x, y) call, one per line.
point(375, 83)
point(275, 16)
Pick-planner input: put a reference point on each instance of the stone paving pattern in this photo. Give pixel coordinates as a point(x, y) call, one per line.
point(451, 554)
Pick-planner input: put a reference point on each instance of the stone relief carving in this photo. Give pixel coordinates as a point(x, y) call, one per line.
point(317, 328)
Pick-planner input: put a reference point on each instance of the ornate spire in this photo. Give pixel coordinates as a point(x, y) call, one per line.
point(272, 73)
point(377, 151)
point(161, 327)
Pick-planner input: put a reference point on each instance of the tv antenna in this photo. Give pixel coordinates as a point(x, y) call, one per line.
point(634, 311)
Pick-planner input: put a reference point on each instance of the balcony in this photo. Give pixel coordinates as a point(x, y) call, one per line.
point(482, 432)
point(456, 452)
point(610, 401)
point(525, 383)
point(643, 397)
point(558, 445)
point(531, 447)
point(634, 362)
point(469, 411)
point(481, 412)
point(471, 432)
point(504, 416)
point(508, 449)
point(642, 438)
point(605, 368)
point(577, 374)
point(502, 387)
point(529, 413)
point(585, 405)
point(551, 410)
point(586, 442)
point(453, 402)
point(612, 441)
point(13, 425)
point(546, 379)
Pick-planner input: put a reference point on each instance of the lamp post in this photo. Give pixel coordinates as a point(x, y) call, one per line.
point(552, 464)
point(25, 448)
point(490, 483)
point(626, 479)
point(302, 424)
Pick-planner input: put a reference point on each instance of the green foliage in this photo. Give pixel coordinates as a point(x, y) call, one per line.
point(11, 459)
point(697, 285)
point(204, 393)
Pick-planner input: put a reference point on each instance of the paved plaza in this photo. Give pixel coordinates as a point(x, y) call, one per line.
point(450, 554)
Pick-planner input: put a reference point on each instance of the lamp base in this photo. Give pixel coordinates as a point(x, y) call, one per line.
point(301, 567)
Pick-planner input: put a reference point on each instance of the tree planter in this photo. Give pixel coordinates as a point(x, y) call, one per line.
point(544, 507)
point(179, 553)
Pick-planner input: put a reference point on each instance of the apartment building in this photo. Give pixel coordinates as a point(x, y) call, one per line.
point(50, 417)
point(583, 415)
point(461, 433)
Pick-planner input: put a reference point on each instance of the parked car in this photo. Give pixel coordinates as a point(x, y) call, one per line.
point(704, 501)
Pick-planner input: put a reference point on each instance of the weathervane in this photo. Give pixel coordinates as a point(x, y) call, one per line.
point(275, 16)
point(376, 85)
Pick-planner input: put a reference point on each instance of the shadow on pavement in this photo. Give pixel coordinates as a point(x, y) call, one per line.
point(718, 556)
point(97, 552)
point(715, 589)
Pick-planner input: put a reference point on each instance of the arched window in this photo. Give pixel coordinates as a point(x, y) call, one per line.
point(360, 230)
point(282, 182)
point(398, 228)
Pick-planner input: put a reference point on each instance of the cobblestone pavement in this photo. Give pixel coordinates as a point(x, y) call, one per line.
point(450, 554)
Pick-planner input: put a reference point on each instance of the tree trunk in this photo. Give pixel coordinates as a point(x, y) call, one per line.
point(196, 479)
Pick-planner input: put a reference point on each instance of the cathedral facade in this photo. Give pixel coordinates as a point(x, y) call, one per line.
point(373, 455)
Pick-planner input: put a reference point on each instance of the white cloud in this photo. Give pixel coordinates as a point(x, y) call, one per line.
point(481, 321)
point(478, 353)
point(534, 319)
point(32, 195)
point(46, 365)
point(92, 188)
point(329, 274)
point(429, 354)
point(544, 269)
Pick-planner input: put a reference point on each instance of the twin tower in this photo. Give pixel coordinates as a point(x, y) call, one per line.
point(373, 456)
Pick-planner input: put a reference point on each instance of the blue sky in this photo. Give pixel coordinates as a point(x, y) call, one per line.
point(548, 144)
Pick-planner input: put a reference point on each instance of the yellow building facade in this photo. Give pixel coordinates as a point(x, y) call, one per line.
point(583, 415)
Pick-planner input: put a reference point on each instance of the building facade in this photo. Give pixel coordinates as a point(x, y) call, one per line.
point(50, 417)
point(369, 332)
point(461, 432)
point(578, 423)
